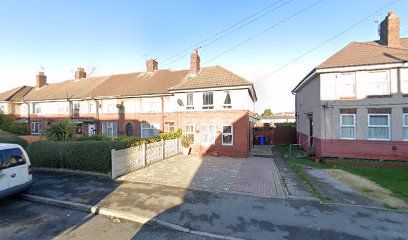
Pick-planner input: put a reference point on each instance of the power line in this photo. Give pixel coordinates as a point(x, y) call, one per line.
point(404, 33)
point(327, 41)
point(266, 30)
point(228, 28)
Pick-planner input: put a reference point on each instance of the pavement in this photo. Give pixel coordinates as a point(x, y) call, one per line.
point(256, 176)
point(26, 220)
point(226, 214)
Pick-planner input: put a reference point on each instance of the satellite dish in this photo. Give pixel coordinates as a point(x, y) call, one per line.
point(180, 102)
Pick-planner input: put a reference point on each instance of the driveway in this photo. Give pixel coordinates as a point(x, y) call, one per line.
point(256, 176)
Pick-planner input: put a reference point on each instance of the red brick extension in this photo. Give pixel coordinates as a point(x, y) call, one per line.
point(364, 149)
point(239, 119)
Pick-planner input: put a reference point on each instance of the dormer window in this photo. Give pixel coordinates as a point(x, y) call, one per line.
point(227, 101)
point(190, 101)
point(208, 100)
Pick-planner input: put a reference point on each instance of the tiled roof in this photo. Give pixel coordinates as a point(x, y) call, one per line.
point(210, 77)
point(367, 53)
point(15, 94)
point(137, 84)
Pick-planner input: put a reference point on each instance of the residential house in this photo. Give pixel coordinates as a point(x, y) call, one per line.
point(211, 104)
point(355, 104)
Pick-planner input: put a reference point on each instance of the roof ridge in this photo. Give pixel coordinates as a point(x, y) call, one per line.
point(384, 46)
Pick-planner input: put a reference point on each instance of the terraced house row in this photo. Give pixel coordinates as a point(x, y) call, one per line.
point(211, 104)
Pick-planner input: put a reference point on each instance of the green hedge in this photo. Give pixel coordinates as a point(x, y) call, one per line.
point(6, 137)
point(94, 156)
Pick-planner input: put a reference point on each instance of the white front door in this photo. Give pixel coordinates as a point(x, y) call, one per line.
point(91, 130)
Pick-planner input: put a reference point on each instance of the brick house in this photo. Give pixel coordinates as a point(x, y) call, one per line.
point(211, 104)
point(355, 104)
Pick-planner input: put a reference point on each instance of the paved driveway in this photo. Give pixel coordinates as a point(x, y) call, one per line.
point(252, 176)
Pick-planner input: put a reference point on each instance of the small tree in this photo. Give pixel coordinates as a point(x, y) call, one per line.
point(63, 130)
point(267, 113)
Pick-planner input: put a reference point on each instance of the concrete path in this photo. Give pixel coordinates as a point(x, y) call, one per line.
point(26, 220)
point(252, 176)
point(228, 214)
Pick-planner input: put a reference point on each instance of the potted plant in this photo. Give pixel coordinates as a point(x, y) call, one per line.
point(186, 143)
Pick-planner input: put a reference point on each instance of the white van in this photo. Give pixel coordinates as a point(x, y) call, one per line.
point(15, 170)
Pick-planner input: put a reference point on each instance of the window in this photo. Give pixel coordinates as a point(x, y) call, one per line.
point(149, 130)
point(378, 83)
point(78, 128)
point(170, 127)
point(129, 129)
point(227, 101)
point(207, 135)
point(2, 108)
point(190, 132)
point(11, 158)
point(347, 126)
point(110, 129)
point(379, 127)
point(405, 125)
point(190, 101)
point(227, 135)
point(92, 107)
point(36, 128)
point(346, 85)
point(404, 80)
point(208, 100)
point(111, 107)
point(151, 105)
point(77, 106)
point(36, 108)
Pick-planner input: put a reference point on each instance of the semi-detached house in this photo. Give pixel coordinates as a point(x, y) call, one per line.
point(211, 104)
point(355, 104)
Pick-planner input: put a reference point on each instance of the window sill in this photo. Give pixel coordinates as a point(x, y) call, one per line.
point(379, 96)
point(348, 98)
point(379, 140)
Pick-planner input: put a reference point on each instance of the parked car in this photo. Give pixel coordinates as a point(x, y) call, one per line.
point(15, 170)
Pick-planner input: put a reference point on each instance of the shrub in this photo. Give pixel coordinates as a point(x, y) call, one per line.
point(171, 135)
point(11, 138)
point(92, 156)
point(186, 141)
point(63, 130)
point(99, 137)
point(8, 124)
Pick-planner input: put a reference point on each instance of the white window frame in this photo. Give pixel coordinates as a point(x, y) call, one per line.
point(92, 107)
point(404, 126)
point(201, 133)
point(341, 81)
point(208, 106)
point(190, 106)
point(374, 126)
point(151, 105)
point(168, 126)
point(36, 126)
point(186, 133)
point(110, 126)
point(150, 126)
point(387, 73)
point(227, 134)
point(342, 125)
point(227, 106)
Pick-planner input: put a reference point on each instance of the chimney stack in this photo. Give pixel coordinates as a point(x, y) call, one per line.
point(390, 31)
point(194, 62)
point(80, 73)
point(151, 65)
point(41, 80)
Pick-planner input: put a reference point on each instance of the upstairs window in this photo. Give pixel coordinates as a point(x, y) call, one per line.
point(150, 105)
point(346, 85)
point(378, 83)
point(92, 107)
point(36, 108)
point(2, 108)
point(347, 126)
point(208, 100)
point(379, 127)
point(405, 126)
point(190, 101)
point(404, 80)
point(227, 101)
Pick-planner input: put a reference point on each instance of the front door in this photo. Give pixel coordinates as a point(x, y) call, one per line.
point(91, 130)
point(310, 130)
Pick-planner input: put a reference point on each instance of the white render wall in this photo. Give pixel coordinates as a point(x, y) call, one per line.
point(5, 107)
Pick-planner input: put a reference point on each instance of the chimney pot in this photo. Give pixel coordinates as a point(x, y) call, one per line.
point(41, 80)
point(151, 65)
point(194, 62)
point(390, 30)
point(80, 73)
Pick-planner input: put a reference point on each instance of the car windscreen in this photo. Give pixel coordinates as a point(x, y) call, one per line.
point(11, 158)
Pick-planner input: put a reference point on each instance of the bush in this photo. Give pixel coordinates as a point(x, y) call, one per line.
point(186, 141)
point(63, 130)
point(8, 124)
point(99, 137)
point(13, 139)
point(92, 156)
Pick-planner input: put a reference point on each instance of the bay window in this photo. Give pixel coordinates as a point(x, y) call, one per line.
point(208, 100)
point(207, 135)
point(110, 129)
point(379, 127)
point(149, 130)
point(347, 126)
point(227, 135)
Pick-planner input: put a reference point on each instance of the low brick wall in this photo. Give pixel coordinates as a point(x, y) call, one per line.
point(131, 159)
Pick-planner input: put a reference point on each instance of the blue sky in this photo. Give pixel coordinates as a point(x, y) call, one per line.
point(117, 36)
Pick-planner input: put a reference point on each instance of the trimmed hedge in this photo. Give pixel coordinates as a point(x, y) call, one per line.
point(94, 156)
point(11, 138)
